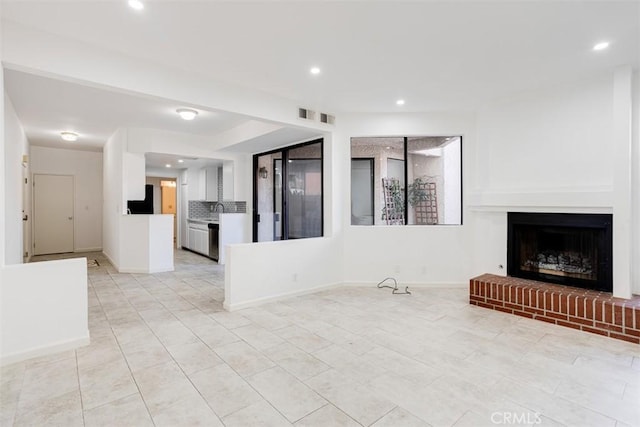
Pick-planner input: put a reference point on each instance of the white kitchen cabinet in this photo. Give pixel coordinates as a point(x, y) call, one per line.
point(208, 184)
point(227, 181)
point(199, 238)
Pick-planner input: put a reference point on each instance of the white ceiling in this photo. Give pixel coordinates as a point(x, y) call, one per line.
point(438, 56)
point(47, 107)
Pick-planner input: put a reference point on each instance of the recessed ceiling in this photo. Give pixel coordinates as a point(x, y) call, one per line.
point(437, 55)
point(160, 160)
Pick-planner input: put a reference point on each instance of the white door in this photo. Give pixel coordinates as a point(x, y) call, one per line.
point(52, 214)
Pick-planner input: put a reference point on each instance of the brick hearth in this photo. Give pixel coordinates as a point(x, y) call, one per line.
point(595, 312)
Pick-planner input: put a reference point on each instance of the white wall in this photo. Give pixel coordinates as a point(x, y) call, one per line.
point(43, 308)
point(112, 195)
point(86, 167)
point(15, 146)
point(554, 150)
point(146, 244)
point(279, 269)
point(431, 255)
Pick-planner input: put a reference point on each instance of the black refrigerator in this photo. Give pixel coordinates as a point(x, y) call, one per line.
point(142, 206)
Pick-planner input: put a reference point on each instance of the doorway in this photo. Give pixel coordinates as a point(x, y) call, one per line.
point(168, 203)
point(53, 218)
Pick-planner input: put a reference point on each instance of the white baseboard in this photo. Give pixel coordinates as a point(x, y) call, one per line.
point(162, 269)
point(402, 284)
point(96, 249)
point(45, 350)
point(264, 300)
point(111, 261)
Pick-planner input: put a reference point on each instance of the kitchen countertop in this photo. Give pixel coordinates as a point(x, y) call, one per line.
point(204, 220)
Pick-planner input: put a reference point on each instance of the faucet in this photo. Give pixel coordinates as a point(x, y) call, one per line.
point(215, 207)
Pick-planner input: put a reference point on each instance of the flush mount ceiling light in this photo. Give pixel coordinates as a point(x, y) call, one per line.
point(400, 102)
point(136, 4)
point(167, 165)
point(601, 46)
point(187, 113)
point(180, 161)
point(315, 71)
point(69, 136)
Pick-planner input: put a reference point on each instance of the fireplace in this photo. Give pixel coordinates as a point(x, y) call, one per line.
point(567, 249)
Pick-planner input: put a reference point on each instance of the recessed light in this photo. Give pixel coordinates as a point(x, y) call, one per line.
point(136, 4)
point(315, 70)
point(167, 165)
point(180, 161)
point(69, 136)
point(601, 46)
point(400, 102)
point(388, 148)
point(187, 113)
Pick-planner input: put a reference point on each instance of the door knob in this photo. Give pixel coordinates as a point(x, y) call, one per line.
point(70, 218)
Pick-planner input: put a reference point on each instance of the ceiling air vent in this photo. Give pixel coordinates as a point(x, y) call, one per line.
point(303, 113)
point(327, 118)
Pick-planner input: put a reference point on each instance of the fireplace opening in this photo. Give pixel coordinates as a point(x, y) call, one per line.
point(568, 249)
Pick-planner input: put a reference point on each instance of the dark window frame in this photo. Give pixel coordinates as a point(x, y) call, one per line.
point(285, 188)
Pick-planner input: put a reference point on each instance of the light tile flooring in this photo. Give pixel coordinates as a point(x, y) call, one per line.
point(163, 352)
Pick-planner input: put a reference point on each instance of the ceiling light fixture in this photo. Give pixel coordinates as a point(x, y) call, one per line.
point(136, 4)
point(69, 136)
point(167, 165)
point(400, 102)
point(315, 71)
point(601, 46)
point(187, 113)
point(180, 161)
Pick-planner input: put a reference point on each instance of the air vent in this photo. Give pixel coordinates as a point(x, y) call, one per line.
point(327, 118)
point(303, 113)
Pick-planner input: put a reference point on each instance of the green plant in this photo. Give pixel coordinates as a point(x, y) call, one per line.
point(417, 192)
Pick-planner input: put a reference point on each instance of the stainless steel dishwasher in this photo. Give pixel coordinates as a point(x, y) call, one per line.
point(214, 237)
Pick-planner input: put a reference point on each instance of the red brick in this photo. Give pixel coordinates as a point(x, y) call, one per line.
point(533, 310)
point(547, 300)
point(572, 305)
point(634, 332)
point(555, 302)
point(556, 315)
point(595, 331)
point(526, 300)
point(495, 302)
point(637, 316)
point(513, 306)
point(588, 308)
point(608, 327)
point(520, 296)
point(608, 312)
point(624, 337)
point(523, 314)
point(568, 324)
point(618, 315)
point(564, 305)
point(628, 317)
point(545, 319)
point(599, 310)
point(506, 310)
point(580, 306)
point(476, 298)
point(483, 304)
point(581, 320)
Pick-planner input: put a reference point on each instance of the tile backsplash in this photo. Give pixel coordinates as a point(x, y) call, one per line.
point(202, 209)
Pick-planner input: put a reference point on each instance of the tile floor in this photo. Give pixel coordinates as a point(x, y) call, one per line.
point(163, 352)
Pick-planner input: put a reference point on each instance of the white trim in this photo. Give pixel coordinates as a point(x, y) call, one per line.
point(401, 285)
point(46, 350)
point(111, 261)
point(96, 249)
point(259, 301)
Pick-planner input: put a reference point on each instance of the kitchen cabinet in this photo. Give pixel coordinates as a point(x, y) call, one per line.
point(227, 181)
point(208, 184)
point(199, 238)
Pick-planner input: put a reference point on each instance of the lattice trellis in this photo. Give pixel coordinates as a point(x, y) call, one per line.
point(393, 210)
point(427, 210)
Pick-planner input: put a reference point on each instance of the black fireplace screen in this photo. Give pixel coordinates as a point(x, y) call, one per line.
point(570, 249)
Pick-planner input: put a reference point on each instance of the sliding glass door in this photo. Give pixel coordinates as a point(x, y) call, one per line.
point(288, 208)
